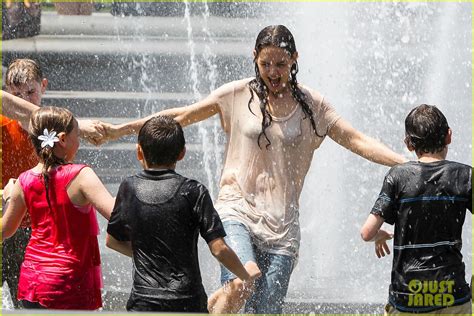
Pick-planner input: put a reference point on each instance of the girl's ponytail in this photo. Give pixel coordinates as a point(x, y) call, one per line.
point(52, 119)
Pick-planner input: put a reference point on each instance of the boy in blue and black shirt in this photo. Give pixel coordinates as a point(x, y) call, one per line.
point(426, 200)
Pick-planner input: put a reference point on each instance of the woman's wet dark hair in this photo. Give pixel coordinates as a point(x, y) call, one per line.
point(278, 36)
point(54, 119)
point(426, 128)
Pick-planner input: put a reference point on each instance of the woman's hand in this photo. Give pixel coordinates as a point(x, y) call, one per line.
point(92, 130)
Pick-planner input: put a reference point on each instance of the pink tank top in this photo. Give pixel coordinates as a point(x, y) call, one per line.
point(61, 269)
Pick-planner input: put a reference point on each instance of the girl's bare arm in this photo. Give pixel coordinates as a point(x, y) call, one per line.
point(15, 211)
point(87, 188)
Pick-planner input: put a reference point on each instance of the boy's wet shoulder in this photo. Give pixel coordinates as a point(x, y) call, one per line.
point(193, 186)
point(410, 168)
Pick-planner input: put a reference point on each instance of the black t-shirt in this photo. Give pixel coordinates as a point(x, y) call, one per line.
point(162, 213)
point(427, 202)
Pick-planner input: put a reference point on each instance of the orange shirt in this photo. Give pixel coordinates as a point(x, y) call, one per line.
point(18, 154)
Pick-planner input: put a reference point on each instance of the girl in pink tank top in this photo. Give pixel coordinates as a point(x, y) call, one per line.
point(61, 269)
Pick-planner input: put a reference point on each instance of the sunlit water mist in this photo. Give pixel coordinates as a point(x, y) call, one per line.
point(374, 62)
point(211, 149)
point(212, 153)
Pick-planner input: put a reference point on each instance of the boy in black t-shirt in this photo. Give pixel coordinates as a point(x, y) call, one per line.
point(157, 218)
point(426, 200)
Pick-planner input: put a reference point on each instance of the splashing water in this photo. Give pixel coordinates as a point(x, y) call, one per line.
point(210, 143)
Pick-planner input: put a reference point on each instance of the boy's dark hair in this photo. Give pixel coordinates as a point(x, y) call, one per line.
point(162, 140)
point(426, 128)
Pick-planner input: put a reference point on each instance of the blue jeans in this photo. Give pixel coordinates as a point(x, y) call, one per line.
point(272, 286)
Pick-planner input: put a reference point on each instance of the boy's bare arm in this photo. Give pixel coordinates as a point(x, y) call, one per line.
point(20, 110)
point(371, 227)
point(371, 232)
point(124, 247)
point(229, 259)
point(16, 108)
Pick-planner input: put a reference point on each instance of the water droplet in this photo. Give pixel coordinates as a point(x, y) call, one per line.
point(405, 39)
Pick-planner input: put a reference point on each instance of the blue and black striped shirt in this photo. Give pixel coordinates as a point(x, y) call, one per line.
point(427, 203)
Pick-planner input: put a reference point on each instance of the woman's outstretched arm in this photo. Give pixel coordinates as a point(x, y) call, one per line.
point(185, 115)
point(347, 136)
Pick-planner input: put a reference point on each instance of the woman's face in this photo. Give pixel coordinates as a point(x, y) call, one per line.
point(274, 65)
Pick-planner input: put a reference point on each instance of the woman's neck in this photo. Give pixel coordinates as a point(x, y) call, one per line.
point(280, 95)
point(281, 105)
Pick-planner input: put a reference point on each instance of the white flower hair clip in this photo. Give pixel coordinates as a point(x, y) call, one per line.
point(48, 138)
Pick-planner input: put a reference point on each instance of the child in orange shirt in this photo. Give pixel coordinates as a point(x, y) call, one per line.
point(24, 79)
